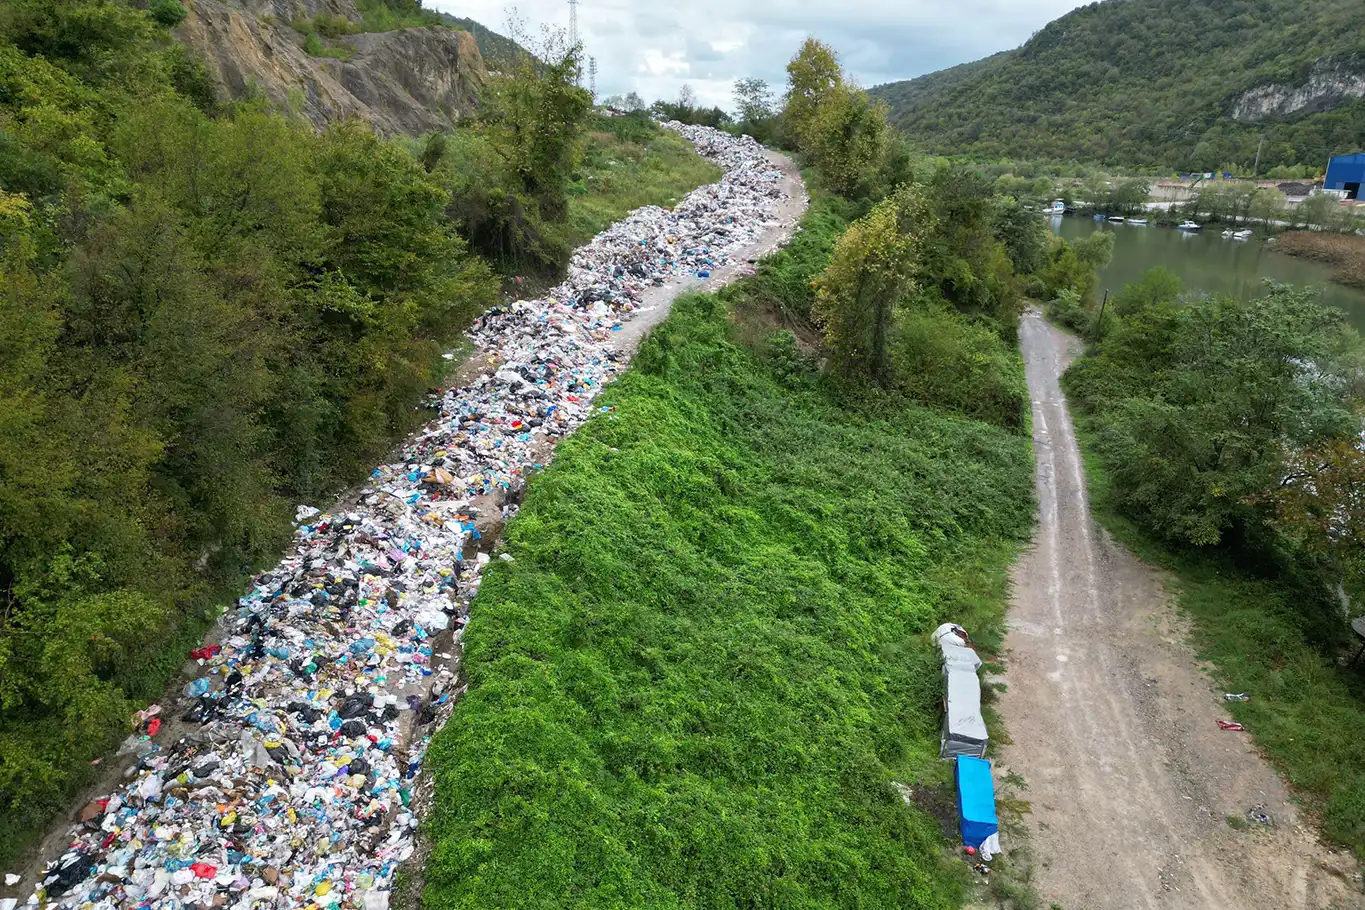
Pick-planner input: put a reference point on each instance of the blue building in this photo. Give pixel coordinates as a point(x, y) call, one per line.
point(1346, 172)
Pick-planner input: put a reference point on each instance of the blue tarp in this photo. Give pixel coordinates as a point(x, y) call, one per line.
point(975, 800)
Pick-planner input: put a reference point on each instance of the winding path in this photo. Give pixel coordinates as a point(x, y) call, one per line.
point(1114, 723)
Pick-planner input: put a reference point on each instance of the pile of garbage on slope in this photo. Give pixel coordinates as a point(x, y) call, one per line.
point(307, 728)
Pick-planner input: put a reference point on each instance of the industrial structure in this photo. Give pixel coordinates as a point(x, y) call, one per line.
point(1346, 173)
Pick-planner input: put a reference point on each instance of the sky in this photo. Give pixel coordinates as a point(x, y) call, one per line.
point(654, 47)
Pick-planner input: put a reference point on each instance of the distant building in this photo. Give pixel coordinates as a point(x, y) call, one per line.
point(1346, 173)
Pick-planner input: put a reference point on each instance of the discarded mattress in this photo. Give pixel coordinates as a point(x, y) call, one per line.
point(976, 803)
point(964, 729)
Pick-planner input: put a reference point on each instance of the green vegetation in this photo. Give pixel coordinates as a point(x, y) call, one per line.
point(1149, 83)
point(1222, 441)
point(212, 313)
point(707, 664)
point(706, 667)
point(629, 162)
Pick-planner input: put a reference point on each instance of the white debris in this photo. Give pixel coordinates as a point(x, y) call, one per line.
point(315, 710)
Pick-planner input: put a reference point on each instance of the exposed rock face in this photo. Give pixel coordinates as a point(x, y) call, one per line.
point(1331, 81)
point(406, 81)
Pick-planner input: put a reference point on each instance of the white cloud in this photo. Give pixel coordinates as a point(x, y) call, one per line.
point(654, 47)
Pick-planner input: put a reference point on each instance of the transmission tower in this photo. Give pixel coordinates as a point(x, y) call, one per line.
point(592, 77)
point(573, 21)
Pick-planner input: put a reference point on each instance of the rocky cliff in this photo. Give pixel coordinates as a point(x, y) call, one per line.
point(1330, 82)
point(406, 81)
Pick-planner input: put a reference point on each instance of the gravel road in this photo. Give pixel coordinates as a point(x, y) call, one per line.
point(1114, 720)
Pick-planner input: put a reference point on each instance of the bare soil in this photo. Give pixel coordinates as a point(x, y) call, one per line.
point(1139, 799)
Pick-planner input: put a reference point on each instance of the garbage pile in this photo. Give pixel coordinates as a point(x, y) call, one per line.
point(294, 756)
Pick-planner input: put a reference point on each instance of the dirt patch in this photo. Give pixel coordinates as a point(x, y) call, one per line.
point(1114, 723)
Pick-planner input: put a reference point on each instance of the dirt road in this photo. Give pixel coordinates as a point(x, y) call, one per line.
point(1114, 722)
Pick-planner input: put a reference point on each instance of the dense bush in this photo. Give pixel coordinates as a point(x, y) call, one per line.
point(696, 682)
point(945, 362)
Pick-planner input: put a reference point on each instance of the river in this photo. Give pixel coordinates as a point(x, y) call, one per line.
point(1206, 261)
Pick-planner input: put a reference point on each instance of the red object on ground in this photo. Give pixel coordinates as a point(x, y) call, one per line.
point(153, 726)
point(1230, 725)
point(971, 851)
point(204, 870)
point(205, 652)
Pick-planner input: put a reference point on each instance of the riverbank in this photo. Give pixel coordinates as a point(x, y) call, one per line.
point(1344, 251)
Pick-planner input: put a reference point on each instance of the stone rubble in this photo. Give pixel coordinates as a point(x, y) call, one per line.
point(305, 734)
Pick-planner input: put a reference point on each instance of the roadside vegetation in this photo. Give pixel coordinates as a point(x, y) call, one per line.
point(707, 665)
point(213, 312)
point(1223, 440)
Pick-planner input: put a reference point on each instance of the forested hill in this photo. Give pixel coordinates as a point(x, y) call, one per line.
point(1180, 84)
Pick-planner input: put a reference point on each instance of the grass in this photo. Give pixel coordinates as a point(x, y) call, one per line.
point(1306, 712)
point(629, 163)
point(707, 664)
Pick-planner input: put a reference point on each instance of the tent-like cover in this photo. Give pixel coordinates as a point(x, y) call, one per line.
point(964, 729)
point(975, 800)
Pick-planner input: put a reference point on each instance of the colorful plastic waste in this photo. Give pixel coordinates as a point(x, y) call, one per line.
point(307, 728)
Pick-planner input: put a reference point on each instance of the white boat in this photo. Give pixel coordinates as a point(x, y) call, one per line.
point(1058, 207)
point(1137, 220)
point(1118, 218)
point(1228, 233)
point(1242, 235)
point(1189, 226)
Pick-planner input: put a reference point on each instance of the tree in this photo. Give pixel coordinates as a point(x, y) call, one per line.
point(1319, 503)
point(811, 75)
point(753, 101)
point(687, 97)
point(1157, 286)
point(872, 267)
point(1267, 206)
point(536, 112)
point(847, 135)
point(1206, 429)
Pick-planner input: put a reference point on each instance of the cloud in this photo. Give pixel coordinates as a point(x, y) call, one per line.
point(654, 47)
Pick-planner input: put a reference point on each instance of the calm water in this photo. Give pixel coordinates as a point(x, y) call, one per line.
point(1207, 262)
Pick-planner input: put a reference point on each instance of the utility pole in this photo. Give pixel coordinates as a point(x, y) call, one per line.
point(1256, 168)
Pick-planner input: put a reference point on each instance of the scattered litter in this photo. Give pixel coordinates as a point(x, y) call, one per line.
point(1231, 725)
point(1259, 815)
point(313, 714)
point(11, 879)
point(1236, 696)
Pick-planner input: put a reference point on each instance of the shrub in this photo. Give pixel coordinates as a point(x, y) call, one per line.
point(167, 12)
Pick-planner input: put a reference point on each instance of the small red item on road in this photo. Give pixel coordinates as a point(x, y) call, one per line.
point(1230, 725)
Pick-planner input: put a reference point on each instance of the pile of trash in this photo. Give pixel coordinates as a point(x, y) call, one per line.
point(294, 757)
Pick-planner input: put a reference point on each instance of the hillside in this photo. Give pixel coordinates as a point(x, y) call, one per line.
point(1170, 84)
point(401, 68)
